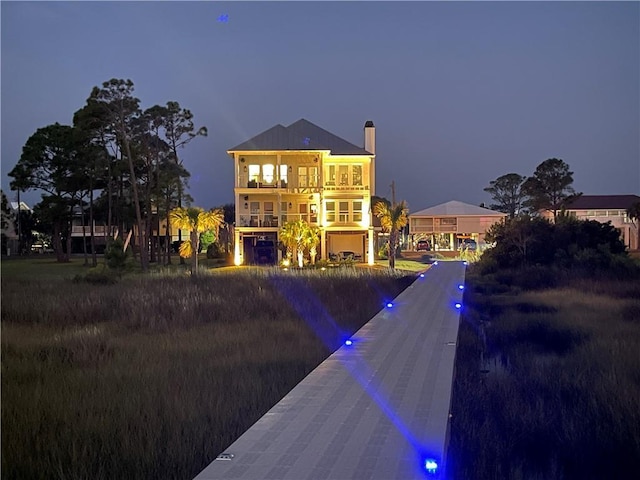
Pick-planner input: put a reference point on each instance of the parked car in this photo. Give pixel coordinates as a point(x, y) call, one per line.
point(423, 245)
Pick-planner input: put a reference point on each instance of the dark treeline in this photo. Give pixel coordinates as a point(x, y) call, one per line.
point(117, 166)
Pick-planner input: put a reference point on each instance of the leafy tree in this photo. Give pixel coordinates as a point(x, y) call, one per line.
point(633, 212)
point(51, 161)
point(121, 111)
point(550, 186)
point(508, 194)
point(195, 220)
point(226, 229)
point(393, 217)
point(179, 131)
point(521, 241)
point(6, 220)
point(116, 256)
point(207, 238)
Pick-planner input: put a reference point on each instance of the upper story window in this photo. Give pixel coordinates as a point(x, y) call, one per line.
point(344, 175)
point(307, 176)
point(283, 173)
point(331, 175)
point(356, 171)
point(330, 211)
point(254, 173)
point(268, 171)
point(449, 221)
point(343, 214)
point(357, 210)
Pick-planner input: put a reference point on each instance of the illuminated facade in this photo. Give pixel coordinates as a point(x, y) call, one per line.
point(304, 172)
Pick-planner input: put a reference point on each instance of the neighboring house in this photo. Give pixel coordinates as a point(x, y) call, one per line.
point(607, 208)
point(11, 232)
point(303, 172)
point(449, 225)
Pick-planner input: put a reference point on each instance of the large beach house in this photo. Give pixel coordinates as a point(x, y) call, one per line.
point(304, 172)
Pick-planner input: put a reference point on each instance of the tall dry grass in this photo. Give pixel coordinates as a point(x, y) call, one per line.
point(153, 376)
point(548, 383)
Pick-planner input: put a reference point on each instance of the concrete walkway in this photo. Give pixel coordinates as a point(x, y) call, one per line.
point(377, 409)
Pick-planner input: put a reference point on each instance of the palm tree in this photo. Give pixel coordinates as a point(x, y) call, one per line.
point(311, 241)
point(292, 235)
point(196, 221)
point(392, 218)
point(633, 212)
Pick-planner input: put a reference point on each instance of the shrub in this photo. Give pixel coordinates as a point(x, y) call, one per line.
point(115, 255)
point(214, 251)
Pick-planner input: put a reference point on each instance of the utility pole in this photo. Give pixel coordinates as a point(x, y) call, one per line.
point(393, 193)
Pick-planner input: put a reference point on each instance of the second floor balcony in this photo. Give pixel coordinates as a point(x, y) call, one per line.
point(270, 220)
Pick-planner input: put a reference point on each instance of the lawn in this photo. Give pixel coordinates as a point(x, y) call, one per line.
point(153, 376)
point(548, 382)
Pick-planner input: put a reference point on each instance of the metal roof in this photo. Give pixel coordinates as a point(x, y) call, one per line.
point(377, 409)
point(301, 135)
point(593, 202)
point(456, 208)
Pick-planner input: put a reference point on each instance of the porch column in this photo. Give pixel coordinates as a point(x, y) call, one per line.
point(323, 244)
point(237, 255)
point(370, 253)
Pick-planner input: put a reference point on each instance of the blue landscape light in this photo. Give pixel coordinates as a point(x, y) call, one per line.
point(422, 275)
point(466, 263)
point(460, 287)
point(348, 342)
point(389, 304)
point(430, 465)
point(458, 305)
point(435, 263)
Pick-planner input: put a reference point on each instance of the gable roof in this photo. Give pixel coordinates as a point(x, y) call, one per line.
point(460, 209)
point(593, 202)
point(300, 135)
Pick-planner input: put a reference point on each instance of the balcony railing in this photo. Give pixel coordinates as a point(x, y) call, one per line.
point(275, 221)
point(98, 230)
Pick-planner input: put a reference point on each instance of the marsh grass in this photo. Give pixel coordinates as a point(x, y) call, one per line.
point(152, 377)
point(554, 391)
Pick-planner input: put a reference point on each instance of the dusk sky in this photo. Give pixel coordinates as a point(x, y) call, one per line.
point(460, 92)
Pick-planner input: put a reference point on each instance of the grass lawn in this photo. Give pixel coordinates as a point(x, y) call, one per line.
point(548, 382)
point(153, 376)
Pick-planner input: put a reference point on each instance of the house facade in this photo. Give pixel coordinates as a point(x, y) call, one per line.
point(449, 225)
point(607, 208)
point(303, 172)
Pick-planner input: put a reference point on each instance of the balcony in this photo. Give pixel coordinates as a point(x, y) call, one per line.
point(275, 221)
point(98, 230)
point(304, 185)
point(255, 220)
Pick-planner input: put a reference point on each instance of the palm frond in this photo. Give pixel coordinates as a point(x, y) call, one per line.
point(186, 249)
